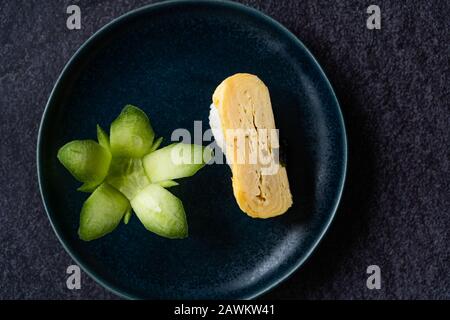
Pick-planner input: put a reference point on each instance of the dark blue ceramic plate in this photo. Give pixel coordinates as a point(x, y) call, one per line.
point(168, 59)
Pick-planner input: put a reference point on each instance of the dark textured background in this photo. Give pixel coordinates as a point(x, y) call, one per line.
point(393, 85)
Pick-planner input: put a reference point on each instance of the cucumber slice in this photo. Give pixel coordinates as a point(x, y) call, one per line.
point(87, 161)
point(131, 134)
point(175, 161)
point(101, 212)
point(156, 144)
point(103, 138)
point(168, 183)
point(127, 216)
point(161, 212)
point(128, 176)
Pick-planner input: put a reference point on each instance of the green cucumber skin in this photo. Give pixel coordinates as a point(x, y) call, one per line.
point(161, 212)
point(127, 216)
point(168, 183)
point(101, 212)
point(102, 138)
point(160, 166)
point(128, 176)
point(131, 134)
point(156, 144)
point(87, 187)
point(86, 160)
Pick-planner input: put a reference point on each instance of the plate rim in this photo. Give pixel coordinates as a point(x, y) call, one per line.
point(155, 6)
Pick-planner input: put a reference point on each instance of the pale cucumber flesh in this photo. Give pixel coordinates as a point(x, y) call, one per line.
point(175, 161)
point(131, 134)
point(128, 176)
point(161, 212)
point(102, 212)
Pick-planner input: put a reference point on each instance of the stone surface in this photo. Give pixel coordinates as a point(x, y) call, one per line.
point(393, 88)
